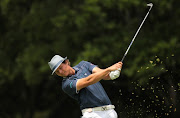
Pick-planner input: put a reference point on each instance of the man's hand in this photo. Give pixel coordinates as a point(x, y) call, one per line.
point(115, 73)
point(115, 66)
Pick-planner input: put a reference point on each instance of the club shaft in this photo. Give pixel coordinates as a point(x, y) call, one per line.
point(136, 34)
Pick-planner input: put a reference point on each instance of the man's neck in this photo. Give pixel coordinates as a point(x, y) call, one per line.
point(73, 71)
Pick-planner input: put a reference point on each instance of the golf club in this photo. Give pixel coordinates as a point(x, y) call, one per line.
point(149, 5)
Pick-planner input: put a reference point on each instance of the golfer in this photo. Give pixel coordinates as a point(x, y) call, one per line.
point(81, 82)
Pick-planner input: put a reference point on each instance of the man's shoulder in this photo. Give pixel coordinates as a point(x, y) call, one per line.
point(66, 81)
point(82, 62)
point(86, 64)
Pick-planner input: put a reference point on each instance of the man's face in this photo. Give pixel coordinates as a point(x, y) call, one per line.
point(63, 70)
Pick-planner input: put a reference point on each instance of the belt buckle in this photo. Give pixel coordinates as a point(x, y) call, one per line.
point(103, 108)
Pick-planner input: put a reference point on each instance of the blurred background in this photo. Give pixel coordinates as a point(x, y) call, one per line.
point(99, 31)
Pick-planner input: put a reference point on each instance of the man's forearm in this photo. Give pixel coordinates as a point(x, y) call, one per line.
point(95, 77)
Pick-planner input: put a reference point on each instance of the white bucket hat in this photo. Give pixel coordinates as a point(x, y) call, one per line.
point(56, 62)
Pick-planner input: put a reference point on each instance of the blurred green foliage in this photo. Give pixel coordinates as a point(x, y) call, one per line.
point(33, 31)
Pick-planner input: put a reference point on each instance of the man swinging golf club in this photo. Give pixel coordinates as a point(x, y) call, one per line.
point(81, 82)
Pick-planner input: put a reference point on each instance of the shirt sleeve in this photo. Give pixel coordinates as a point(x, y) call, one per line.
point(69, 87)
point(90, 66)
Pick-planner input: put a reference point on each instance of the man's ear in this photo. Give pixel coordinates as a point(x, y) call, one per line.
point(67, 62)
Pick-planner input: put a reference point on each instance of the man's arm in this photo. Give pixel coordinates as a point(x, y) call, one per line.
point(96, 76)
point(106, 77)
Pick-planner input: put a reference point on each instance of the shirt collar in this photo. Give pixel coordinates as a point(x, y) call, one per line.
point(76, 69)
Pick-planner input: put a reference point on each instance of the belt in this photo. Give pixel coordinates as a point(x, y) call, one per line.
point(102, 108)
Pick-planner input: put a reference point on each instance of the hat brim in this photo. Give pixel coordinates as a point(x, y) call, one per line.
point(58, 66)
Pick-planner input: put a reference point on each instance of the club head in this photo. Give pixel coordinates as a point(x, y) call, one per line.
point(150, 4)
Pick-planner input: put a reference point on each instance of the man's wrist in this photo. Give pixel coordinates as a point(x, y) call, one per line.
point(107, 70)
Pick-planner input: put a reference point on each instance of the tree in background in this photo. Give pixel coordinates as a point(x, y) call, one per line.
point(31, 32)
